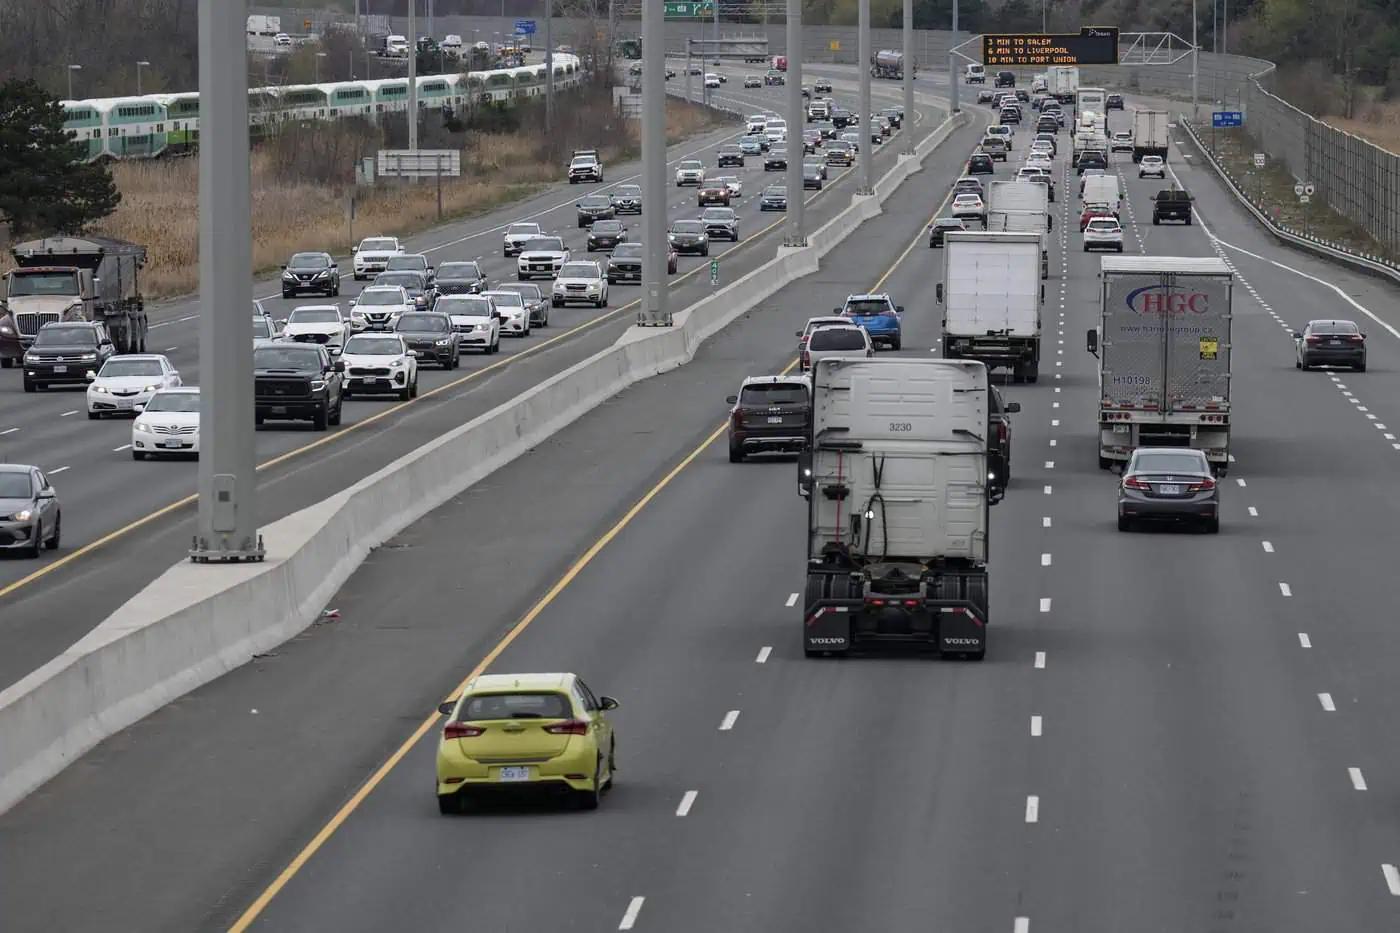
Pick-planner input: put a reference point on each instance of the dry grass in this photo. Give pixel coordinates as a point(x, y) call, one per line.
point(160, 198)
point(1377, 122)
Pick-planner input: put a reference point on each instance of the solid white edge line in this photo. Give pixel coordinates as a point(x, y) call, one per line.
point(687, 801)
point(57, 470)
point(1392, 878)
point(630, 917)
point(1357, 780)
point(729, 720)
point(763, 654)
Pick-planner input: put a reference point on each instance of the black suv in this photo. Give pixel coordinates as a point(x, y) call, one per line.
point(1113, 102)
point(606, 234)
point(770, 413)
point(460, 278)
point(1090, 158)
point(297, 382)
point(311, 272)
point(595, 207)
point(65, 353)
point(731, 155)
point(1005, 79)
point(430, 335)
point(980, 164)
point(999, 438)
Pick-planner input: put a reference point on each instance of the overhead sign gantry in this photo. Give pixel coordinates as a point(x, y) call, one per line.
point(1092, 45)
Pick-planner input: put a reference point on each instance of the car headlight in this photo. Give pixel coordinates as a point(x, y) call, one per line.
point(100, 390)
point(24, 515)
point(317, 385)
point(88, 356)
point(6, 329)
point(30, 358)
point(443, 342)
point(141, 427)
point(150, 388)
point(289, 274)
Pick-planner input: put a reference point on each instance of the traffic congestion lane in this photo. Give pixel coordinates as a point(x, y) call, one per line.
point(116, 506)
point(607, 457)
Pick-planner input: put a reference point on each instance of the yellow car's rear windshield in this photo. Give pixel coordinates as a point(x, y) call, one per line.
point(515, 706)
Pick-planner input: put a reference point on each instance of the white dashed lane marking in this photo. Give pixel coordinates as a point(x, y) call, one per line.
point(729, 719)
point(1326, 700)
point(629, 919)
point(1285, 589)
point(1036, 726)
point(792, 600)
point(687, 802)
point(1040, 660)
point(1303, 640)
point(763, 654)
point(1357, 781)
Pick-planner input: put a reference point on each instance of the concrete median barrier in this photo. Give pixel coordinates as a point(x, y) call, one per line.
point(197, 622)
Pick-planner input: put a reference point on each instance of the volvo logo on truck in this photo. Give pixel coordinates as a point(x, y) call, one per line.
point(1159, 300)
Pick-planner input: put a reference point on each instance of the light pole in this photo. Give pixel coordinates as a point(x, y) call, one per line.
point(226, 527)
point(1043, 28)
point(1195, 62)
point(863, 122)
point(71, 69)
point(139, 66)
point(319, 56)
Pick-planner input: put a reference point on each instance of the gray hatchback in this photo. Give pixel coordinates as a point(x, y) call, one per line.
point(1169, 484)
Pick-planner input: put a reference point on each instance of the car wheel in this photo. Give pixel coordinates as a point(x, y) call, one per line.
point(333, 418)
point(57, 537)
point(36, 547)
point(589, 799)
point(318, 421)
point(94, 416)
point(28, 386)
point(286, 294)
point(896, 343)
point(555, 303)
point(452, 804)
point(1361, 367)
point(1297, 363)
point(736, 453)
point(138, 455)
point(1124, 523)
point(521, 277)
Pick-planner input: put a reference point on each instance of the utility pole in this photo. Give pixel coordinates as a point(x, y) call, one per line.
point(139, 66)
point(797, 120)
point(906, 126)
point(412, 75)
point(549, 66)
point(654, 297)
point(226, 528)
point(71, 69)
point(1225, 29)
point(863, 124)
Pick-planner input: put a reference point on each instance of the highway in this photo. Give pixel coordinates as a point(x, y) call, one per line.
point(1170, 732)
point(112, 502)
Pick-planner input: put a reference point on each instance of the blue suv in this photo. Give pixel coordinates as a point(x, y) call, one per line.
point(878, 316)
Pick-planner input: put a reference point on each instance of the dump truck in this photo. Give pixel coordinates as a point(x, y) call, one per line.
point(1150, 134)
point(1163, 346)
point(894, 472)
point(71, 278)
point(1022, 207)
point(992, 296)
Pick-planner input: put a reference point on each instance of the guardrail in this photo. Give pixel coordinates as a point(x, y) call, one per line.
point(1376, 265)
point(189, 627)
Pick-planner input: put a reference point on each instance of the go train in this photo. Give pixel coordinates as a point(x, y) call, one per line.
point(145, 127)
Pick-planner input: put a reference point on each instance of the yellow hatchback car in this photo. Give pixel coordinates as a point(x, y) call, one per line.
point(545, 732)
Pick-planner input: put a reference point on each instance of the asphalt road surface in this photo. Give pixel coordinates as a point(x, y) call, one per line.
point(1170, 732)
point(125, 522)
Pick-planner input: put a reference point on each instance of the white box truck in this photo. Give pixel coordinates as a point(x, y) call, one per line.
point(898, 497)
point(1163, 345)
point(1062, 82)
point(1022, 207)
point(1149, 134)
point(992, 295)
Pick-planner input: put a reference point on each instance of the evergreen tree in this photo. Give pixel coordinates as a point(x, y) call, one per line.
point(44, 186)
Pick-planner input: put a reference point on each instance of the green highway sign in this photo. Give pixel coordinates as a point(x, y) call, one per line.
point(691, 8)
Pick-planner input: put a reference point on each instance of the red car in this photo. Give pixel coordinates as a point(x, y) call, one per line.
point(1095, 210)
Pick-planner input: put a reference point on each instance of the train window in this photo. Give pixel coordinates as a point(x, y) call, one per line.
point(160, 127)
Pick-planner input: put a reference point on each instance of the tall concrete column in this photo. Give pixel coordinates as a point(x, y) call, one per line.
point(226, 526)
point(863, 64)
point(413, 75)
point(952, 65)
point(1195, 64)
point(549, 65)
point(654, 275)
point(907, 129)
point(797, 123)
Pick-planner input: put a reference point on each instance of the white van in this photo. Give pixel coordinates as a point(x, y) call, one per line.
point(975, 74)
point(1103, 189)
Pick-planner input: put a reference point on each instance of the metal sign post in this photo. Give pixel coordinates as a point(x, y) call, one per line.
point(714, 273)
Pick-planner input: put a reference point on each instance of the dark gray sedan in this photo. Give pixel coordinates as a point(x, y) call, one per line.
point(1168, 484)
point(1330, 343)
point(29, 514)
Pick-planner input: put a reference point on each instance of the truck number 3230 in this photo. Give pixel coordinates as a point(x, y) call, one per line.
point(901, 426)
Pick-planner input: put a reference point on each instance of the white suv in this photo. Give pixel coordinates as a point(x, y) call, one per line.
point(580, 280)
point(373, 254)
point(1152, 165)
point(690, 172)
point(1103, 233)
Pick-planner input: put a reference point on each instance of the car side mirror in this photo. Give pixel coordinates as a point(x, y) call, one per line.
point(1297, 335)
point(46, 493)
point(413, 353)
point(284, 267)
point(281, 322)
point(91, 376)
point(338, 366)
point(804, 473)
point(1013, 407)
point(447, 708)
point(938, 292)
point(899, 309)
point(1092, 341)
point(138, 407)
point(607, 703)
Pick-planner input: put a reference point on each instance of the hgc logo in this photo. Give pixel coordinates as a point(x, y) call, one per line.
point(1157, 300)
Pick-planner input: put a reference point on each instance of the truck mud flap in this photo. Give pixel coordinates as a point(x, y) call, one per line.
point(826, 625)
point(961, 626)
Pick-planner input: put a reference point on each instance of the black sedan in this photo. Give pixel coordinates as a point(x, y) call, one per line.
point(30, 517)
point(460, 278)
point(605, 235)
point(689, 236)
point(1168, 484)
point(1330, 343)
point(941, 226)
